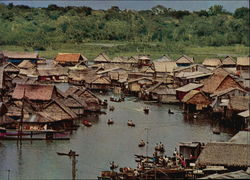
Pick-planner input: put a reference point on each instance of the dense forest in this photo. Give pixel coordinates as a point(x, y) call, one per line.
point(42, 27)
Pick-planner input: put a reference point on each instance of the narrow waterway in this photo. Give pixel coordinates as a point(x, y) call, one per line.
point(102, 143)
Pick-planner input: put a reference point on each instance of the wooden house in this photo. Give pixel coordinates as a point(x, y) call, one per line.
point(221, 98)
point(136, 85)
point(161, 93)
point(102, 58)
point(99, 83)
point(228, 62)
point(164, 67)
point(184, 61)
point(11, 70)
point(188, 149)
point(192, 68)
point(243, 64)
point(18, 57)
point(219, 81)
point(54, 74)
point(75, 103)
point(70, 58)
point(182, 91)
point(212, 63)
point(196, 101)
point(37, 94)
point(92, 101)
point(229, 155)
point(183, 78)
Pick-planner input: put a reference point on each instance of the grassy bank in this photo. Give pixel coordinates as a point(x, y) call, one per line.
point(90, 50)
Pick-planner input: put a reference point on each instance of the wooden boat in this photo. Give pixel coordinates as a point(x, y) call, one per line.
point(216, 130)
point(141, 144)
point(87, 123)
point(110, 122)
point(146, 110)
point(111, 108)
point(104, 103)
point(130, 123)
point(170, 112)
point(62, 154)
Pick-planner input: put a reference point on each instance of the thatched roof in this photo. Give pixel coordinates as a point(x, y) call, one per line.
point(33, 91)
point(213, 82)
point(56, 114)
point(102, 57)
point(213, 62)
point(164, 66)
point(243, 61)
point(57, 71)
point(143, 57)
point(189, 87)
point(119, 59)
point(164, 58)
point(26, 64)
point(140, 79)
point(20, 55)
point(73, 100)
point(161, 89)
point(196, 97)
point(184, 59)
point(242, 137)
point(10, 67)
point(239, 103)
point(70, 57)
point(228, 61)
point(225, 154)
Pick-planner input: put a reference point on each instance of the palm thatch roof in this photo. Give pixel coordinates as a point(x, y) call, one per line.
point(102, 57)
point(223, 92)
point(213, 83)
point(225, 154)
point(196, 97)
point(33, 92)
point(228, 61)
point(54, 71)
point(164, 66)
point(213, 62)
point(26, 64)
point(243, 61)
point(184, 59)
point(20, 55)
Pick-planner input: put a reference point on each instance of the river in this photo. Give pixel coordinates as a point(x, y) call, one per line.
point(101, 143)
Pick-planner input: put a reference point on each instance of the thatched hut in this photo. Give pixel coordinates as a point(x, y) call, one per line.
point(102, 58)
point(92, 101)
point(228, 62)
point(225, 154)
point(70, 58)
point(243, 63)
point(184, 60)
point(75, 103)
point(11, 69)
point(219, 81)
point(18, 57)
point(212, 63)
point(196, 100)
point(144, 60)
point(182, 91)
point(164, 67)
point(136, 85)
point(54, 74)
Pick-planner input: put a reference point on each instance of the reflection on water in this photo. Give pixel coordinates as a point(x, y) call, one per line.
point(101, 143)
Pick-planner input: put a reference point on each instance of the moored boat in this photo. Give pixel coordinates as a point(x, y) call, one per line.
point(87, 123)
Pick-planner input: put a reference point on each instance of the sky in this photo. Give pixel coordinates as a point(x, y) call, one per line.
point(191, 5)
